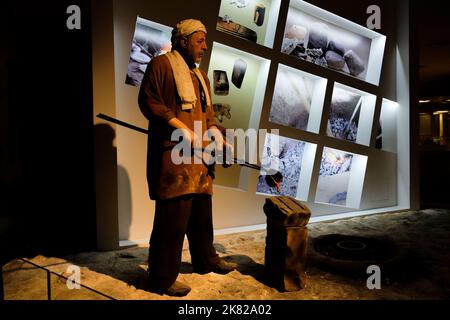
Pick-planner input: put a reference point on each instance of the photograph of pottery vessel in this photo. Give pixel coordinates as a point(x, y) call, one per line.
point(221, 84)
point(150, 40)
point(260, 12)
point(344, 115)
point(281, 168)
point(335, 171)
point(291, 103)
point(325, 44)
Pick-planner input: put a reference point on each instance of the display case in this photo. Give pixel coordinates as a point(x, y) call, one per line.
point(325, 39)
point(150, 39)
point(252, 20)
point(351, 115)
point(238, 85)
point(286, 167)
point(341, 178)
point(298, 99)
point(387, 127)
point(246, 100)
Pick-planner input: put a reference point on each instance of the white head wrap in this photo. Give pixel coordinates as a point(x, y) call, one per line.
point(186, 28)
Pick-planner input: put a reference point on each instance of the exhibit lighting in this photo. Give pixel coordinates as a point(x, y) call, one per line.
point(424, 101)
point(440, 112)
point(441, 123)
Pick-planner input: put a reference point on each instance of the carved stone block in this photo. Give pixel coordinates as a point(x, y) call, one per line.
point(286, 246)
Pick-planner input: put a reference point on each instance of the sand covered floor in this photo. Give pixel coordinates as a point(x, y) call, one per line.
point(420, 272)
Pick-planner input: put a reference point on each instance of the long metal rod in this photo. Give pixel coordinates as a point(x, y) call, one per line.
point(141, 130)
point(122, 123)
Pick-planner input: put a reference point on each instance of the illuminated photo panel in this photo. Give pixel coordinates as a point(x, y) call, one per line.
point(387, 127)
point(298, 99)
point(238, 86)
point(238, 83)
point(150, 39)
point(320, 37)
point(252, 20)
point(286, 167)
point(341, 178)
point(351, 115)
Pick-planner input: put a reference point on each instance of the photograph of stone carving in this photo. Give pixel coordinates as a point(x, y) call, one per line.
point(227, 25)
point(287, 162)
point(239, 3)
point(149, 41)
point(221, 84)
point(335, 170)
point(324, 44)
point(222, 110)
point(239, 70)
point(344, 115)
point(291, 103)
point(260, 12)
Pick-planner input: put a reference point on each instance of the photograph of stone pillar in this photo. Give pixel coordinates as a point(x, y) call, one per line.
point(344, 116)
point(379, 139)
point(150, 40)
point(387, 126)
point(335, 170)
point(221, 84)
point(310, 39)
point(239, 70)
point(291, 103)
point(284, 162)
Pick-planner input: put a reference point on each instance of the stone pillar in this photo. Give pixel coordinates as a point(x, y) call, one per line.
point(286, 243)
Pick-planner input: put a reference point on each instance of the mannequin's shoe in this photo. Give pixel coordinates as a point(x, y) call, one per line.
point(222, 267)
point(177, 289)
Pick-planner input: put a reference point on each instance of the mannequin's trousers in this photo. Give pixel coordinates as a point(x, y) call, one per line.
point(189, 215)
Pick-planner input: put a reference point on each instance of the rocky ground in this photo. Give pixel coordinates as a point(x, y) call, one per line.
point(421, 270)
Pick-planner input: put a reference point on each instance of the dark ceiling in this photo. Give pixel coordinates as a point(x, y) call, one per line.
point(433, 35)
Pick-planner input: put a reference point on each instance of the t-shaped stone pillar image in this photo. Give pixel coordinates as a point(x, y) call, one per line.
point(286, 243)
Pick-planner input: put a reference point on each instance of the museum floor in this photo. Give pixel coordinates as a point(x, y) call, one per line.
point(422, 270)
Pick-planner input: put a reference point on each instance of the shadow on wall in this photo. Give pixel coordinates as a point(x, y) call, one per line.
point(106, 174)
point(124, 204)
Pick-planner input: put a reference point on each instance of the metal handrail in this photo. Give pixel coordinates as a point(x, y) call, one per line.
point(49, 289)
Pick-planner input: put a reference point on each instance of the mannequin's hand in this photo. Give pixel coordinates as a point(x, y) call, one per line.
point(191, 138)
point(223, 147)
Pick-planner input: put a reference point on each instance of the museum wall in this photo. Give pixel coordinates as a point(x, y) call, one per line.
point(380, 187)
